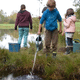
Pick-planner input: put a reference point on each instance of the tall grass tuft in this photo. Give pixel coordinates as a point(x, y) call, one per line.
point(63, 67)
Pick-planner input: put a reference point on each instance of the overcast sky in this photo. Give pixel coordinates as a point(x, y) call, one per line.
point(33, 6)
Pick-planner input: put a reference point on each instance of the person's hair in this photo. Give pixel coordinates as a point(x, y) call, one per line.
point(51, 4)
point(23, 7)
point(70, 11)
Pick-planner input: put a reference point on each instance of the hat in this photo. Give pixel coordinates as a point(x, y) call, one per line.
point(51, 3)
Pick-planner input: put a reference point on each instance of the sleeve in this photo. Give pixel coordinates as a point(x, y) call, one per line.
point(30, 20)
point(67, 22)
point(59, 17)
point(16, 22)
point(43, 18)
point(64, 29)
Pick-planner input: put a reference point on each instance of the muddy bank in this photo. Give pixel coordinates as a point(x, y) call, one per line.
point(5, 71)
point(39, 70)
point(63, 67)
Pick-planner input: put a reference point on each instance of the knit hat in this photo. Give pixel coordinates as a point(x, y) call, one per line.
point(51, 3)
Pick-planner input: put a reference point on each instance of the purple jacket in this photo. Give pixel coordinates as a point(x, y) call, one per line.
point(23, 19)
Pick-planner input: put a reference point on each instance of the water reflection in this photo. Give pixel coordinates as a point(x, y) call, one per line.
point(6, 39)
point(24, 77)
point(4, 43)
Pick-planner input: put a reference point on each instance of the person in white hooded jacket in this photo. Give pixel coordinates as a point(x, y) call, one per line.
point(69, 29)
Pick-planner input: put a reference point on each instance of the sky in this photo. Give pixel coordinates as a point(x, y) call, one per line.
point(34, 6)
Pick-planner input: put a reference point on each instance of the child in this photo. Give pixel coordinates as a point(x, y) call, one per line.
point(22, 21)
point(45, 8)
point(50, 16)
point(69, 29)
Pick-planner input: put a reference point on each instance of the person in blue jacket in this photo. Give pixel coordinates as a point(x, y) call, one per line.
point(50, 16)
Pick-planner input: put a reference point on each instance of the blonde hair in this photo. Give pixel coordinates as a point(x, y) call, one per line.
point(51, 3)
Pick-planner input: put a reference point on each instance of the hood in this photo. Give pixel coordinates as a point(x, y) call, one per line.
point(73, 17)
point(21, 11)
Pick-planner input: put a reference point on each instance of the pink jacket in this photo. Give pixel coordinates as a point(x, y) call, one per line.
point(70, 24)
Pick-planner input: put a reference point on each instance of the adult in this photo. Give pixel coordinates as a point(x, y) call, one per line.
point(22, 21)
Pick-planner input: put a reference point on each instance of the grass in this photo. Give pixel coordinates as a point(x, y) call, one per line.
point(77, 24)
point(63, 67)
point(35, 26)
point(7, 26)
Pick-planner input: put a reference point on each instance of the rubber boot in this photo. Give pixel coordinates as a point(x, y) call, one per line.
point(67, 51)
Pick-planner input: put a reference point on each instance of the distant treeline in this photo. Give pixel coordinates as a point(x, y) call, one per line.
point(7, 19)
point(4, 19)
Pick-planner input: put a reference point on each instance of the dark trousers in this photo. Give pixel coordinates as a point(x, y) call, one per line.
point(70, 44)
point(51, 37)
point(69, 41)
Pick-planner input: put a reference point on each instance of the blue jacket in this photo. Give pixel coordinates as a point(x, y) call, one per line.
point(51, 18)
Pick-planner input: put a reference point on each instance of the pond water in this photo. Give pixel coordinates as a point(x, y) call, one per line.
point(6, 39)
point(24, 77)
point(4, 44)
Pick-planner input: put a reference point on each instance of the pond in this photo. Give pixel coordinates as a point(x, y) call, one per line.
point(6, 39)
point(24, 77)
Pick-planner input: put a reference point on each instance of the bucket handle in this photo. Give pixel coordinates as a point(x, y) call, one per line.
point(76, 39)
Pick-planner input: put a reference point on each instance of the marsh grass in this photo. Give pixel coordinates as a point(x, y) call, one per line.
point(63, 67)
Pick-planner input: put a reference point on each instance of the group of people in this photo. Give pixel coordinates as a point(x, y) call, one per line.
point(50, 17)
